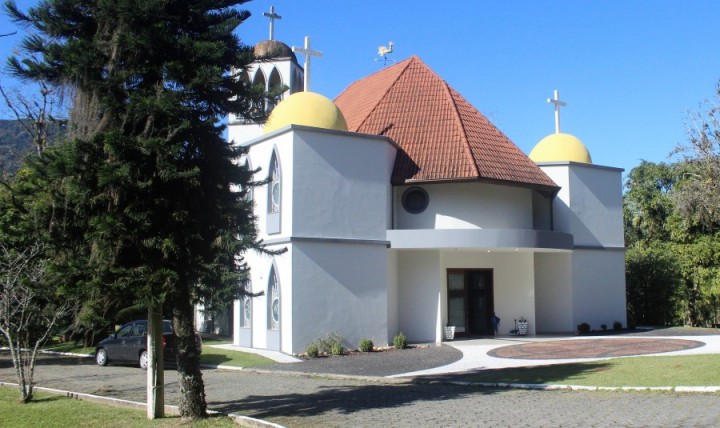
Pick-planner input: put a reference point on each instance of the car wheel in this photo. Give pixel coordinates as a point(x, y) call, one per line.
point(101, 357)
point(144, 360)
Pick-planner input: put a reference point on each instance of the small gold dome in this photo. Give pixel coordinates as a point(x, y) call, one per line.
point(560, 148)
point(308, 109)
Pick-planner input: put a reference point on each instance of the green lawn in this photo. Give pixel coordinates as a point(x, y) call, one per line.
point(211, 356)
point(215, 356)
point(60, 411)
point(687, 370)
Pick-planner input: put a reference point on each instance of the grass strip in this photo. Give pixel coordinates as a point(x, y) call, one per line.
point(59, 411)
point(685, 370)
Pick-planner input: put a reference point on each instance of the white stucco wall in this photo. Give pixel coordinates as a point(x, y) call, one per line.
point(341, 185)
point(513, 283)
point(553, 293)
point(393, 302)
point(589, 204)
point(419, 288)
point(599, 287)
point(468, 206)
point(339, 288)
point(260, 155)
point(422, 288)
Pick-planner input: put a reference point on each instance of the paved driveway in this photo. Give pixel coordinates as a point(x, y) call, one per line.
point(299, 401)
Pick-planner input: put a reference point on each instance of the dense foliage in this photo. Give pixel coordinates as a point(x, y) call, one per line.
point(145, 203)
point(672, 230)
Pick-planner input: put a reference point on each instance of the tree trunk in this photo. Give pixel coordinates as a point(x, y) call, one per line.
point(192, 388)
point(156, 369)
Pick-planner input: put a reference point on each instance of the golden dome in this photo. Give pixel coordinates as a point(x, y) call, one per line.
point(560, 148)
point(308, 109)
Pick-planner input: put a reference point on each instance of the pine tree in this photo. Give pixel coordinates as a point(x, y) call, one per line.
point(146, 186)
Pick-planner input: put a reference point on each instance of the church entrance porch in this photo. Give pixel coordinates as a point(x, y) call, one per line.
point(470, 301)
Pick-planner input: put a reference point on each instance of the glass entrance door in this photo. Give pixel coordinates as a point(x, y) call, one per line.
point(470, 300)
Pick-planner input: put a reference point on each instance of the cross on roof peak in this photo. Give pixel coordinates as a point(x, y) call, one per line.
point(273, 16)
point(308, 52)
point(557, 103)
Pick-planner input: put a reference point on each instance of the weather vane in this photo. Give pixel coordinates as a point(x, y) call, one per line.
point(383, 51)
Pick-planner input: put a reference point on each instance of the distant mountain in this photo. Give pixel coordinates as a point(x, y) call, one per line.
point(15, 142)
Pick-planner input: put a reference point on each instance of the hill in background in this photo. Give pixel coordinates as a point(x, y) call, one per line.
point(15, 144)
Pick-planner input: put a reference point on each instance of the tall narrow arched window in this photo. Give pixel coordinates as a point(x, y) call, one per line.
point(274, 198)
point(246, 308)
point(249, 191)
point(260, 84)
point(273, 299)
point(275, 86)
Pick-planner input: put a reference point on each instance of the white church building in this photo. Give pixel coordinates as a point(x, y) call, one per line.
point(403, 209)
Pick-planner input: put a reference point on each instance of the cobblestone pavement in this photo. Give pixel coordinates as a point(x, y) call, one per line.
point(593, 348)
point(300, 401)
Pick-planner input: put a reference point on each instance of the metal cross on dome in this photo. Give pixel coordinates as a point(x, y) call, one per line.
point(273, 16)
point(557, 103)
point(308, 52)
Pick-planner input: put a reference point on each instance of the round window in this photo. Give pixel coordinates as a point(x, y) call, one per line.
point(415, 200)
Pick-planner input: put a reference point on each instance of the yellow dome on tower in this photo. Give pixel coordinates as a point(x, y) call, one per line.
point(308, 109)
point(560, 147)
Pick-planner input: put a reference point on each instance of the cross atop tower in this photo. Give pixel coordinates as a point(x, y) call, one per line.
point(557, 103)
point(273, 16)
point(308, 52)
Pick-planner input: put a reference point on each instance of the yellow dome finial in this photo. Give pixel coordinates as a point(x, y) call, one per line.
point(559, 147)
point(308, 109)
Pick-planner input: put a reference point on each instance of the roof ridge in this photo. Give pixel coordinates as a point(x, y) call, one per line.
point(459, 120)
point(388, 87)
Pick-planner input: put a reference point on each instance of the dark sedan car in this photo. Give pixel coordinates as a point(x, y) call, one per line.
point(129, 345)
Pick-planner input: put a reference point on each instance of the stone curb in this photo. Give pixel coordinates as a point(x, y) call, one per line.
point(44, 351)
point(553, 387)
point(244, 421)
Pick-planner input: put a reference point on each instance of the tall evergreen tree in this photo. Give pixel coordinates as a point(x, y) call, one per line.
point(146, 185)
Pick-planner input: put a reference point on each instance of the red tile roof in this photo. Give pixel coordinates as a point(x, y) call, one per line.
point(441, 135)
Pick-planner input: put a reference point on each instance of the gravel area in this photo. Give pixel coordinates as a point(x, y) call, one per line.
point(378, 363)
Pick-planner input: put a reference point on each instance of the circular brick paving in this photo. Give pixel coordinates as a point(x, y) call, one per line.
point(592, 348)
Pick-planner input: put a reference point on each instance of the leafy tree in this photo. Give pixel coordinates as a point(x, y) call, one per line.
point(145, 199)
point(698, 199)
point(654, 285)
point(647, 203)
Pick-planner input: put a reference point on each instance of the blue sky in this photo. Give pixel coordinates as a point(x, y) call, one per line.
point(630, 71)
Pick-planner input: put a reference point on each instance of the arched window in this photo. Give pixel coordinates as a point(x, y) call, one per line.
point(275, 85)
point(246, 308)
point(274, 199)
point(259, 84)
point(248, 166)
point(273, 299)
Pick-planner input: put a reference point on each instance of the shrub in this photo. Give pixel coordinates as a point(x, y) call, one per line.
point(400, 341)
point(337, 349)
point(617, 325)
point(325, 344)
point(366, 345)
point(603, 327)
point(312, 351)
point(583, 328)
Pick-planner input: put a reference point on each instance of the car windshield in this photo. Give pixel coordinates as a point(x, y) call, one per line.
point(167, 326)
